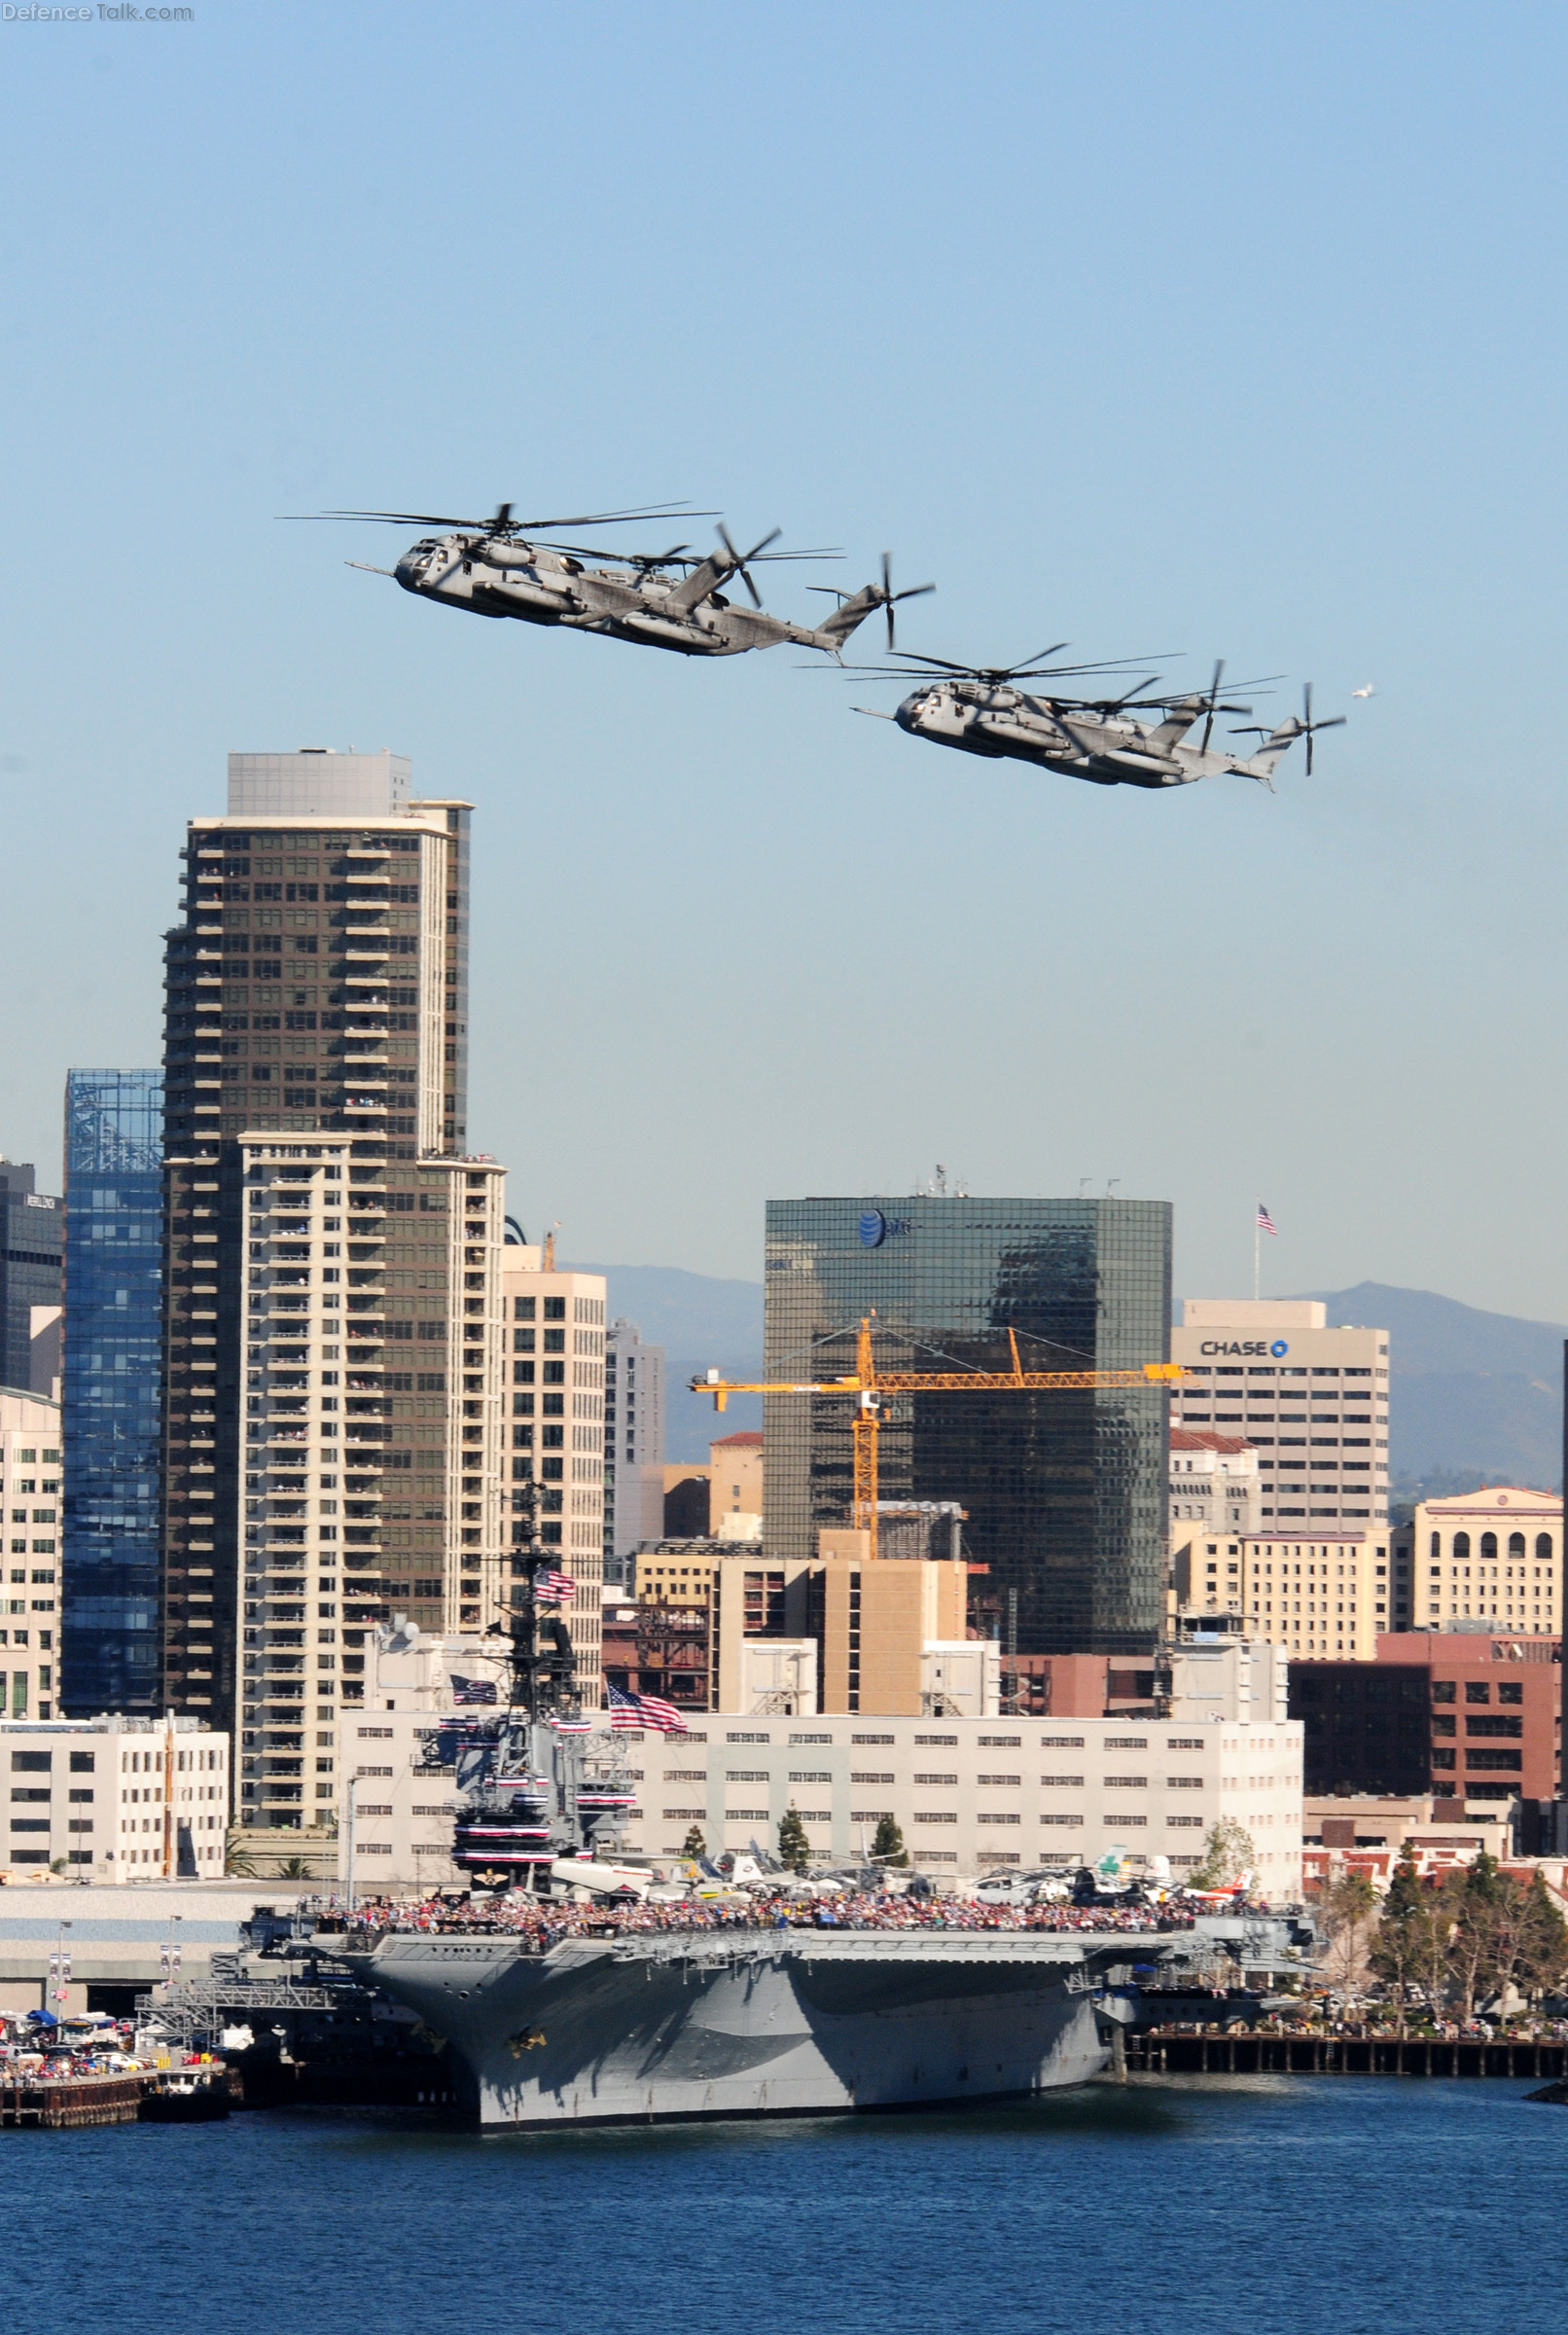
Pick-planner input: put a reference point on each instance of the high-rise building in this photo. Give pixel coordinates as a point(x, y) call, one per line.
point(633, 1446)
point(114, 1260)
point(30, 1612)
point(1066, 1492)
point(31, 1265)
point(555, 1406)
point(1253, 1366)
point(333, 1325)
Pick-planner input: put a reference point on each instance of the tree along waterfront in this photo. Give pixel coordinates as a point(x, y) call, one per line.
point(1440, 1947)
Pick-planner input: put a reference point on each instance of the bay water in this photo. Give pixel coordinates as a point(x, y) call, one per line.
point(1267, 2204)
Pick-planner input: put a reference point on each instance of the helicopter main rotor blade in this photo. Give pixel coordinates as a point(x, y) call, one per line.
point(739, 559)
point(489, 527)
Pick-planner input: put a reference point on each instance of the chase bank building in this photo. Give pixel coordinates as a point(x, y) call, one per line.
point(1066, 1492)
point(1313, 1402)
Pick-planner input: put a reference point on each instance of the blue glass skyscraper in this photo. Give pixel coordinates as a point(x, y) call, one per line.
point(114, 1248)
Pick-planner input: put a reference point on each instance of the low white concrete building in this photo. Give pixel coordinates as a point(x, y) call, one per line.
point(114, 1798)
point(974, 1794)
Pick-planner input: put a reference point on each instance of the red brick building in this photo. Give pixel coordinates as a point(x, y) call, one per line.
point(1469, 1716)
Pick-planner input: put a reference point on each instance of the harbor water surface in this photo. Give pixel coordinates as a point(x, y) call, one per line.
point(1269, 2205)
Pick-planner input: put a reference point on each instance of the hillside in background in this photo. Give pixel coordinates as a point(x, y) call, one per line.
point(1474, 1397)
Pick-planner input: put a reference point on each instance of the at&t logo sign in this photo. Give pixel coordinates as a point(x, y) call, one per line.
point(875, 1227)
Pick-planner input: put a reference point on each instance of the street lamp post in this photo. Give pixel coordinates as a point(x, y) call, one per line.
point(170, 1955)
point(59, 1971)
point(349, 1879)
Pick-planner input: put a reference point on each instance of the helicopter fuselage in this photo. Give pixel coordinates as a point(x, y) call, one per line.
point(993, 719)
point(543, 587)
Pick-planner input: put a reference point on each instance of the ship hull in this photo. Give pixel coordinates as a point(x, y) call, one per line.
point(649, 2029)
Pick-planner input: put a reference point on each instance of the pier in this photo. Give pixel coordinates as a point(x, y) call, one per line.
point(54, 2103)
point(1214, 2051)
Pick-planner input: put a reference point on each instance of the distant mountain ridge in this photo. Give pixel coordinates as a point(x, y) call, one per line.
point(1474, 1397)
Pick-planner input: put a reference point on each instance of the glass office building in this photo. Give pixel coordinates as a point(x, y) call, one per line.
point(29, 1268)
point(114, 1248)
point(1064, 1491)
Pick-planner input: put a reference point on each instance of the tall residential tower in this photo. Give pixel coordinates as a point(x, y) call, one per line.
point(333, 1323)
point(633, 1447)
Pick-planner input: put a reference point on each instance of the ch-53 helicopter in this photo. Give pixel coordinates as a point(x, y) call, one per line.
point(668, 601)
point(983, 710)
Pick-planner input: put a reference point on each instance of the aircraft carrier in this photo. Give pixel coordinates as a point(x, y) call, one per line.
point(667, 2025)
point(741, 2020)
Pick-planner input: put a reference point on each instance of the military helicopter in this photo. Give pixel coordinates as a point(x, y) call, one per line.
point(671, 599)
point(984, 710)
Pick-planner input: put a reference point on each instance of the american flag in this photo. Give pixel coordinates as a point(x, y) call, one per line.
point(1265, 1222)
point(555, 1588)
point(473, 1690)
point(643, 1710)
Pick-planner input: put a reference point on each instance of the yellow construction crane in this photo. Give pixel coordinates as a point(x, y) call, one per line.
point(866, 1387)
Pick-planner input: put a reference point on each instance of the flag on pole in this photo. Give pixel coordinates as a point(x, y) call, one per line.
point(553, 1587)
point(473, 1690)
point(1265, 1222)
point(643, 1710)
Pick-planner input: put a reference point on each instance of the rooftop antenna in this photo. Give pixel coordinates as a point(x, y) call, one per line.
point(549, 1265)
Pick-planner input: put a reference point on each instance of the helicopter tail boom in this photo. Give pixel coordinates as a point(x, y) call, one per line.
point(836, 628)
point(1261, 764)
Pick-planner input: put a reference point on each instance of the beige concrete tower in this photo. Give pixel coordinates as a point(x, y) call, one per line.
point(331, 1336)
point(554, 1401)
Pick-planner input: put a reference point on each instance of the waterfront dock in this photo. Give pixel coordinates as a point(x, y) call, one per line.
point(1214, 2051)
point(54, 2103)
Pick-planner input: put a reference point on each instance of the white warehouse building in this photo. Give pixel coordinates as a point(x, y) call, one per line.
point(114, 1799)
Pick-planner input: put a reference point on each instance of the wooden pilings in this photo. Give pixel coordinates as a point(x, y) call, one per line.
point(1259, 2054)
point(58, 2102)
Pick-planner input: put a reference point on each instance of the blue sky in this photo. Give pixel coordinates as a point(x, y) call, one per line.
point(1228, 330)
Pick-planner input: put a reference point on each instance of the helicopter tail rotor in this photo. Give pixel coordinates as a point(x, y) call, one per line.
point(1301, 725)
point(889, 598)
point(1308, 725)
